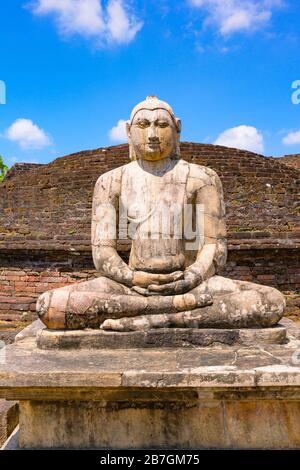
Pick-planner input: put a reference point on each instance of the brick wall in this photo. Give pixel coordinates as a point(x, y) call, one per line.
point(50, 205)
point(19, 288)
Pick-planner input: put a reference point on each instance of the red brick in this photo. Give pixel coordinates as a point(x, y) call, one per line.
point(50, 279)
point(13, 278)
point(266, 277)
point(50, 273)
point(5, 288)
point(40, 288)
point(31, 278)
point(16, 272)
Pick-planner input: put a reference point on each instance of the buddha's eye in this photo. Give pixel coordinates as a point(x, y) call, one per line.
point(162, 124)
point(143, 124)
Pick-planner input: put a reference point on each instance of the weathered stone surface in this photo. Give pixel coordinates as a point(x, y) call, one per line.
point(292, 328)
point(160, 338)
point(35, 327)
point(137, 424)
point(9, 418)
point(28, 367)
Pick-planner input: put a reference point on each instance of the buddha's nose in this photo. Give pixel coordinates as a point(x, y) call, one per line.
point(152, 136)
point(154, 140)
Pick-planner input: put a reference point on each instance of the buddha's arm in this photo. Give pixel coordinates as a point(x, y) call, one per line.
point(104, 229)
point(212, 255)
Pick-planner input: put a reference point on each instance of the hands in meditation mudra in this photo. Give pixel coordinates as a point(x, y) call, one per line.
point(176, 214)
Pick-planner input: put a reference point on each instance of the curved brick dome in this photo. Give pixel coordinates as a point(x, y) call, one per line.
point(50, 205)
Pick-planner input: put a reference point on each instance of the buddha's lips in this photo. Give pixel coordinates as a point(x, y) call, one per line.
point(155, 147)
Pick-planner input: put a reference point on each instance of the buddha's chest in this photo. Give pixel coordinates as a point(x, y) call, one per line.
point(143, 192)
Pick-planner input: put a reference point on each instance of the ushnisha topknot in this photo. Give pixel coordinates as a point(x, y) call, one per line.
point(152, 103)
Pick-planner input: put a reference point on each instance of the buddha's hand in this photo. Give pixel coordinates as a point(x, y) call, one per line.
point(143, 279)
point(191, 278)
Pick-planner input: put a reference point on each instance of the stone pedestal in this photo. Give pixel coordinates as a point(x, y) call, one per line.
point(237, 396)
point(182, 420)
point(158, 338)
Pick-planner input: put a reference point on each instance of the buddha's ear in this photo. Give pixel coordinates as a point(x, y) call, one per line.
point(128, 130)
point(132, 154)
point(178, 126)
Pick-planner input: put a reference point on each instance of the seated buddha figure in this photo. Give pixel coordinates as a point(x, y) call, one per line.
point(172, 278)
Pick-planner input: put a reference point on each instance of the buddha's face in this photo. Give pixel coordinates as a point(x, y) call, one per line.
point(153, 134)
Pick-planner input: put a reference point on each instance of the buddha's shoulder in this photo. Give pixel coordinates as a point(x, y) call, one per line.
point(202, 175)
point(114, 175)
point(109, 183)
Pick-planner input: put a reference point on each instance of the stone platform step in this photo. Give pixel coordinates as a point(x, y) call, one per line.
point(159, 338)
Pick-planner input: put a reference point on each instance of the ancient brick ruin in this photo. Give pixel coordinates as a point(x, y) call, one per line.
point(45, 215)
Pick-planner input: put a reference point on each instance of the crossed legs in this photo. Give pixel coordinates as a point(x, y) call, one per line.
point(217, 303)
point(236, 304)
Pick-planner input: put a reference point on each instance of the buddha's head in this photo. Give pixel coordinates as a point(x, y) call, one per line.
point(153, 131)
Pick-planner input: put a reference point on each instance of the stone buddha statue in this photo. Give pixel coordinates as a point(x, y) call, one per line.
point(174, 211)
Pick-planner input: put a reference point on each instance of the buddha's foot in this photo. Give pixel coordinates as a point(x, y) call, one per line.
point(188, 319)
point(181, 319)
point(260, 308)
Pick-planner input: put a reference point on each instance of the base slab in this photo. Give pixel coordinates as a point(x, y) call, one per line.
point(201, 423)
point(168, 338)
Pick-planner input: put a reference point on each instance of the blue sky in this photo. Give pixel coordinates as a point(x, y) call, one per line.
point(74, 69)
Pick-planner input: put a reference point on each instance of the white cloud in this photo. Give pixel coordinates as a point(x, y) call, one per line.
point(293, 138)
point(83, 17)
point(27, 134)
point(121, 28)
point(232, 16)
point(88, 18)
point(242, 137)
point(118, 133)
